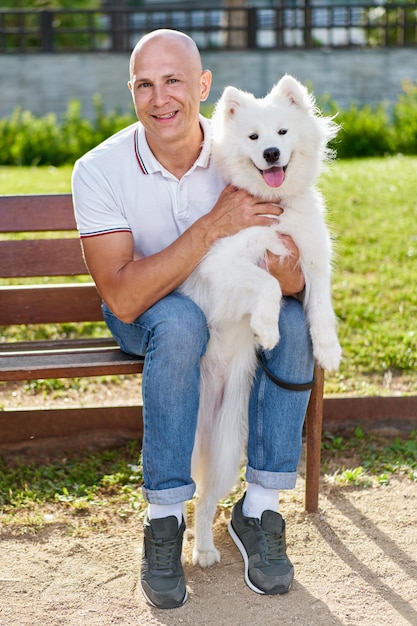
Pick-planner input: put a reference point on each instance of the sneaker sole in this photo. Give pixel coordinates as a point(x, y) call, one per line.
point(244, 554)
point(175, 606)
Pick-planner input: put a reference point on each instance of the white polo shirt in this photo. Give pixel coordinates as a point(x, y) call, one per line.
point(120, 186)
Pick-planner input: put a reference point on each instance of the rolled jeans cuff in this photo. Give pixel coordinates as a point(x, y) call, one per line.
point(271, 480)
point(169, 496)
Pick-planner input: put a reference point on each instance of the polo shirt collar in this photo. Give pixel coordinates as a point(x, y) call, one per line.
point(149, 164)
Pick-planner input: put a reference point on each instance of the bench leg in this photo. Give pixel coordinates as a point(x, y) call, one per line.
point(314, 422)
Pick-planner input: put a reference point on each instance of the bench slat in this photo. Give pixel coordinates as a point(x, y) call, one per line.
point(48, 304)
point(65, 364)
point(35, 213)
point(41, 257)
point(85, 343)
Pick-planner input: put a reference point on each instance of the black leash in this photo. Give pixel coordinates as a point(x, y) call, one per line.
point(283, 383)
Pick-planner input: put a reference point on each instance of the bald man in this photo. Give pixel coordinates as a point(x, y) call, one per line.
point(149, 204)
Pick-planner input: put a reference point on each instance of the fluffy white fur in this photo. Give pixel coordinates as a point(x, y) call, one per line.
point(280, 140)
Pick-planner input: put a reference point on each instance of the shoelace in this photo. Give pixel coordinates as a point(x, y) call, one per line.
point(162, 553)
point(271, 545)
point(274, 546)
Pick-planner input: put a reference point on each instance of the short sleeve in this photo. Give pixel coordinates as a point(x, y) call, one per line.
point(96, 208)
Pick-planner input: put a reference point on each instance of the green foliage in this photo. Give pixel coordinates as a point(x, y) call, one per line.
point(355, 477)
point(31, 140)
point(376, 131)
point(392, 24)
point(373, 461)
point(50, 4)
point(365, 132)
point(67, 22)
point(28, 140)
point(405, 119)
point(82, 479)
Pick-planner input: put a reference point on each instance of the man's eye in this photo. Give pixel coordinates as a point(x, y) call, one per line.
point(143, 85)
point(172, 80)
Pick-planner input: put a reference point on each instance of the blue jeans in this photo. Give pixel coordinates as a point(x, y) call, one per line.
point(172, 335)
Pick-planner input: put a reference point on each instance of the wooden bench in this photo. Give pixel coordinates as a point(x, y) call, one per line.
point(48, 246)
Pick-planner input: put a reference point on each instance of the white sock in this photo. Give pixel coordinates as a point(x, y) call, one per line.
point(157, 511)
point(258, 499)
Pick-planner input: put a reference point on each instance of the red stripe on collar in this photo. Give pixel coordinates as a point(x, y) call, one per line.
point(138, 156)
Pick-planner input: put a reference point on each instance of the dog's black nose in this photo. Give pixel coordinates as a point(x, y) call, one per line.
point(271, 155)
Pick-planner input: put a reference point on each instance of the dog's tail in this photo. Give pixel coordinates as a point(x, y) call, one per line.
point(227, 374)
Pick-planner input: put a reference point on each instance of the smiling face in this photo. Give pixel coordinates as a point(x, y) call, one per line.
point(272, 146)
point(257, 143)
point(167, 84)
point(270, 139)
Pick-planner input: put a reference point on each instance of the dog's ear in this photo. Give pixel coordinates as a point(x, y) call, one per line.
point(231, 100)
point(288, 87)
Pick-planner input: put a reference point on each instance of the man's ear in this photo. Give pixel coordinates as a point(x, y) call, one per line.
point(205, 84)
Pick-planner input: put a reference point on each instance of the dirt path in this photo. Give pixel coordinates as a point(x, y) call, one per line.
point(355, 564)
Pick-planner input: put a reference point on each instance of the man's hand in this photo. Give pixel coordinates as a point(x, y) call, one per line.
point(234, 210)
point(287, 270)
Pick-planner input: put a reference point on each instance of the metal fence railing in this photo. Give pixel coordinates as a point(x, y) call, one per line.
point(293, 24)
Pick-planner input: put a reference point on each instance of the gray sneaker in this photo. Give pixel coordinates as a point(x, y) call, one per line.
point(262, 545)
point(162, 575)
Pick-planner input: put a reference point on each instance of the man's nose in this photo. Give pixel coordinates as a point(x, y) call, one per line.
point(160, 94)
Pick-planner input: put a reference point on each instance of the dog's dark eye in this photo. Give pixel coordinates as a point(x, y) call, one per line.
point(282, 131)
point(254, 137)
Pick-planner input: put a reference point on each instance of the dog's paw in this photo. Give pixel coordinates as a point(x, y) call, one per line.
point(266, 335)
point(267, 338)
point(206, 558)
point(328, 354)
point(265, 328)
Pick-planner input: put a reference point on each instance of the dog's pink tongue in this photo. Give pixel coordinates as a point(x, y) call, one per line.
point(274, 176)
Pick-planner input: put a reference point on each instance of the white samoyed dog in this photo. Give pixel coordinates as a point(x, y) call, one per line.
point(274, 148)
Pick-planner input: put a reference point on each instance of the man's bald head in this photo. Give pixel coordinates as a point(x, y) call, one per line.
point(167, 36)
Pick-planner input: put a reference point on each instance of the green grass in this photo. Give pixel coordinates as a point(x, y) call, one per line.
point(22, 180)
point(372, 212)
point(87, 492)
point(89, 478)
point(368, 460)
point(80, 492)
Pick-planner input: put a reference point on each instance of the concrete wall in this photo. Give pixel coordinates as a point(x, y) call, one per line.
point(42, 83)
